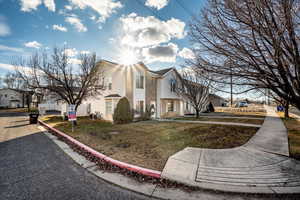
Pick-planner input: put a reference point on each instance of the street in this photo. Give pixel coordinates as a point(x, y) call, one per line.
point(33, 167)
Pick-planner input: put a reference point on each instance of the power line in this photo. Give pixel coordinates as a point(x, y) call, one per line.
point(185, 8)
point(152, 11)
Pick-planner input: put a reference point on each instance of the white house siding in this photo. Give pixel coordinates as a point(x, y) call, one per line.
point(158, 98)
point(165, 89)
point(10, 98)
point(139, 94)
point(165, 95)
point(115, 73)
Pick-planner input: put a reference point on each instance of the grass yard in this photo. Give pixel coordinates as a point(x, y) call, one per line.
point(150, 143)
point(248, 121)
point(293, 126)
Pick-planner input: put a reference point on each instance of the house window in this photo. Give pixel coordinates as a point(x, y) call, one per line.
point(170, 106)
point(173, 85)
point(108, 107)
point(139, 106)
point(5, 95)
point(187, 106)
point(139, 81)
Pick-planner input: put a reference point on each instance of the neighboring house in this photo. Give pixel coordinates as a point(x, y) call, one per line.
point(142, 87)
point(10, 98)
point(217, 101)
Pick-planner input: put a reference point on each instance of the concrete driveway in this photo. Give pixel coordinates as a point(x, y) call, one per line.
point(261, 165)
point(33, 167)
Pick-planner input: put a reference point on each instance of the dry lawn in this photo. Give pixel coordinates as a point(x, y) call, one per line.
point(150, 143)
point(293, 126)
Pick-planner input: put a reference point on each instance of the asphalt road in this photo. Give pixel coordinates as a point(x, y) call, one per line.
point(33, 167)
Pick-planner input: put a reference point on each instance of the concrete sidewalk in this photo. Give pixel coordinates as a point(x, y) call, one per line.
point(260, 166)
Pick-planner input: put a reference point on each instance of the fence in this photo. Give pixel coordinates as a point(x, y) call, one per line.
point(49, 106)
point(82, 110)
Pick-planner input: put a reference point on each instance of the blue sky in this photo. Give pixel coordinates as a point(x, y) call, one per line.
point(124, 31)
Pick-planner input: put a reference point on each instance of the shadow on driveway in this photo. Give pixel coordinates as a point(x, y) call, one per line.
point(17, 126)
point(33, 167)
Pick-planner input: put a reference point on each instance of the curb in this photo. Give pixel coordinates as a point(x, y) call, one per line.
point(152, 190)
point(122, 165)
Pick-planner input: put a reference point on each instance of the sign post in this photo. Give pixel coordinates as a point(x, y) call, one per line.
point(72, 115)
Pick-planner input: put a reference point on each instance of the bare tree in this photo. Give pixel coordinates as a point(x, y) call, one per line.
point(13, 81)
point(262, 38)
point(58, 74)
point(194, 88)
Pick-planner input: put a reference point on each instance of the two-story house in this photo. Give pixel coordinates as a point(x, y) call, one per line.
point(141, 86)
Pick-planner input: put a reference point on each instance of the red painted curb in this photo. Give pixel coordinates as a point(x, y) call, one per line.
point(123, 165)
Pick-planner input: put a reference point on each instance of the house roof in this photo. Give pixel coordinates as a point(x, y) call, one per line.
point(216, 96)
point(112, 95)
point(161, 72)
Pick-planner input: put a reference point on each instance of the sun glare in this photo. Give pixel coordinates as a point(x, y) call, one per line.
point(128, 57)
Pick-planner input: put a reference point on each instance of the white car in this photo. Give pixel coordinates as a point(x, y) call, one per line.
point(242, 104)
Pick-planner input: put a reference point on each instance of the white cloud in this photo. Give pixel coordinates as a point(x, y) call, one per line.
point(112, 40)
point(162, 53)
point(85, 52)
point(147, 31)
point(22, 69)
point(29, 5)
point(93, 17)
point(68, 7)
point(50, 5)
point(186, 53)
point(7, 66)
point(7, 48)
point(4, 29)
point(76, 22)
point(104, 8)
point(75, 61)
point(59, 28)
point(158, 4)
point(71, 52)
point(33, 44)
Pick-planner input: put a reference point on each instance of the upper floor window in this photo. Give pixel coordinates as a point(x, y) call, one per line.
point(173, 85)
point(139, 81)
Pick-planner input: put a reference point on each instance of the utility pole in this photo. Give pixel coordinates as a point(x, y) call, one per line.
point(231, 96)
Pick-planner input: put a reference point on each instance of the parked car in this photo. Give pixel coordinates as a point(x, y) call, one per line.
point(242, 104)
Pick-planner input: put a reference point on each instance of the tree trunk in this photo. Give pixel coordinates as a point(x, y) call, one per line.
point(286, 109)
point(197, 113)
point(75, 122)
point(28, 103)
